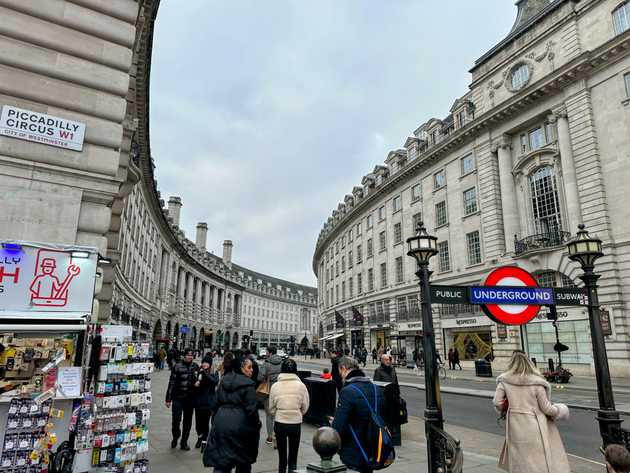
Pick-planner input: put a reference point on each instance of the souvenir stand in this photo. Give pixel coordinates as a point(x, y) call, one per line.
point(46, 294)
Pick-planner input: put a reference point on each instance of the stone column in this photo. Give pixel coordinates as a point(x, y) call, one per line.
point(569, 180)
point(181, 283)
point(198, 298)
point(508, 195)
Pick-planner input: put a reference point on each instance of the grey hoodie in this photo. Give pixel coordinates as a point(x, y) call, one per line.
point(271, 369)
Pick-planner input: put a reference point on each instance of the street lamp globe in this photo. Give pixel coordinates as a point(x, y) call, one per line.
point(422, 246)
point(584, 249)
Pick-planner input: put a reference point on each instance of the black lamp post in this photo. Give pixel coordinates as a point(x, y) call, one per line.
point(585, 250)
point(422, 247)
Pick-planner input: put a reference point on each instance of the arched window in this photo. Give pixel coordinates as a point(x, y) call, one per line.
point(550, 278)
point(621, 18)
point(544, 199)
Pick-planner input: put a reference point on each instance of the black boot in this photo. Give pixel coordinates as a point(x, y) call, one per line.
point(198, 444)
point(185, 446)
point(173, 443)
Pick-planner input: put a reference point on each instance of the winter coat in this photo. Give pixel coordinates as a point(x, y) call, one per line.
point(235, 431)
point(181, 381)
point(270, 369)
point(352, 410)
point(532, 441)
point(334, 372)
point(288, 399)
point(386, 374)
point(205, 396)
point(456, 357)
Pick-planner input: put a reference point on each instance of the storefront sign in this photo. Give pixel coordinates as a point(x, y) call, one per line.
point(449, 294)
point(407, 326)
point(41, 128)
point(566, 296)
point(604, 319)
point(37, 279)
point(465, 322)
point(567, 314)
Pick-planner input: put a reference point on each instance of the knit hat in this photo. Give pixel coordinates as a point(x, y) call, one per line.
point(207, 359)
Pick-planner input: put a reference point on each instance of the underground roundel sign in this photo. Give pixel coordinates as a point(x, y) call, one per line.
point(511, 296)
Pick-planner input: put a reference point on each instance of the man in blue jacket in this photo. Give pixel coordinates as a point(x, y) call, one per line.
point(352, 410)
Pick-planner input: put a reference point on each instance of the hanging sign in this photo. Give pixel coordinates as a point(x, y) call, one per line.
point(37, 279)
point(511, 296)
point(41, 128)
point(449, 294)
point(604, 320)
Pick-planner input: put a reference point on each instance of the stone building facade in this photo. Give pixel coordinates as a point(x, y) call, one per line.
point(89, 61)
point(538, 144)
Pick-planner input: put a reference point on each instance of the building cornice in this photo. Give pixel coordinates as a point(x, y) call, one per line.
point(578, 68)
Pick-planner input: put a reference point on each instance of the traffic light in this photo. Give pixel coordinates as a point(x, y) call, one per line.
point(553, 313)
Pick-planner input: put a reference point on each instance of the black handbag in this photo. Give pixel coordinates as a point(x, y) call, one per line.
point(403, 416)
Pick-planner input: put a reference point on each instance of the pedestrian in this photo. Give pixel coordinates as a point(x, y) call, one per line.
point(255, 367)
point(179, 396)
point(532, 441)
point(353, 415)
point(205, 387)
point(449, 356)
point(269, 373)
point(235, 434)
point(456, 359)
point(387, 374)
point(162, 356)
point(334, 370)
point(374, 355)
point(364, 356)
point(288, 402)
point(617, 459)
point(325, 374)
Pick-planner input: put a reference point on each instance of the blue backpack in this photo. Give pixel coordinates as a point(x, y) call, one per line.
point(379, 449)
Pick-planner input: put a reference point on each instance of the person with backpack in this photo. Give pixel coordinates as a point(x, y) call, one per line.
point(269, 374)
point(366, 444)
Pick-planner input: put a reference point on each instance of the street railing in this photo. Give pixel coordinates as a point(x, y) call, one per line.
point(451, 454)
point(541, 240)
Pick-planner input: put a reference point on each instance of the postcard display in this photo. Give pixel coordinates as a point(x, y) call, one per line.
point(115, 423)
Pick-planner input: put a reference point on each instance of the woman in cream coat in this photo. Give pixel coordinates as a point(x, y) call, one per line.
point(288, 402)
point(532, 441)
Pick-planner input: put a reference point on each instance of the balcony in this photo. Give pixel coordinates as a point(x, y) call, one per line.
point(541, 241)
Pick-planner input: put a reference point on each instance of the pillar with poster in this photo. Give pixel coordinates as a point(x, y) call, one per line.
point(46, 297)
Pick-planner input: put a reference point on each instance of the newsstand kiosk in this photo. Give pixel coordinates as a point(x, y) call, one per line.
point(46, 296)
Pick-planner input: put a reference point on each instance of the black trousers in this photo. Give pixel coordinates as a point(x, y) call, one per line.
point(241, 468)
point(182, 408)
point(287, 433)
point(202, 422)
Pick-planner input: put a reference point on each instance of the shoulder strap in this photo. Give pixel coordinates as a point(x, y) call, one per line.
point(375, 409)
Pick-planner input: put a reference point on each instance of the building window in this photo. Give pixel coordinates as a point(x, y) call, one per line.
point(440, 214)
point(359, 254)
point(444, 257)
point(439, 179)
point(397, 233)
point(381, 239)
point(343, 241)
point(343, 291)
point(545, 203)
point(396, 204)
point(470, 201)
point(626, 78)
point(415, 221)
point(370, 279)
point(434, 137)
point(383, 275)
point(358, 228)
point(536, 138)
point(337, 268)
point(621, 18)
point(343, 264)
point(350, 288)
point(520, 76)
point(337, 248)
point(461, 118)
point(350, 262)
point(370, 248)
point(369, 221)
point(350, 235)
point(474, 248)
point(399, 270)
point(468, 164)
point(359, 283)
point(416, 192)
point(381, 213)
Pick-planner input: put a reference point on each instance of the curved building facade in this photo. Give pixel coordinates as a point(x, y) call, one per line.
point(89, 62)
point(535, 147)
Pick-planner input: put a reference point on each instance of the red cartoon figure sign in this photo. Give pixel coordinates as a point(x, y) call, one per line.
point(47, 289)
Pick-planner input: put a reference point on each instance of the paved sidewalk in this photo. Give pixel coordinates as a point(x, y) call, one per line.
point(412, 455)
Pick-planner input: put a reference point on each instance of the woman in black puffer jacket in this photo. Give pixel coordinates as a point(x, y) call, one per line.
point(235, 433)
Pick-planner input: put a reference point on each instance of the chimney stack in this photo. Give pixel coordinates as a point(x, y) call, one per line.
point(227, 253)
point(202, 235)
point(174, 209)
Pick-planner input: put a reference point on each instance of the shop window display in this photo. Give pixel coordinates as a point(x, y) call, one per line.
point(541, 339)
point(473, 345)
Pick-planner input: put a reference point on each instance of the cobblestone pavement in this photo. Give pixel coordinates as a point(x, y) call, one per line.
point(166, 460)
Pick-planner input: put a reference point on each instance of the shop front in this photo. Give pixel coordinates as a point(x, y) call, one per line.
point(409, 338)
point(573, 331)
point(470, 336)
point(356, 338)
point(380, 337)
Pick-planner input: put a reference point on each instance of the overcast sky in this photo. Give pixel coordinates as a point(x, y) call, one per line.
point(265, 113)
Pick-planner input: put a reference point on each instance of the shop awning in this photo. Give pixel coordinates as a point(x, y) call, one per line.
point(334, 337)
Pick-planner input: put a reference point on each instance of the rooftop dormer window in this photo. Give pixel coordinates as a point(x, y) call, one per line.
point(520, 76)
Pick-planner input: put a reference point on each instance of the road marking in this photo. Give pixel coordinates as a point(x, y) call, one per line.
point(586, 459)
